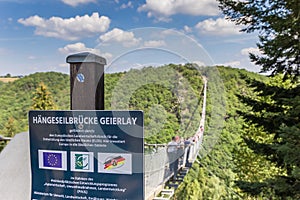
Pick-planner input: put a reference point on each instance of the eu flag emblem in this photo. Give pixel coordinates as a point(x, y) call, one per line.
point(52, 159)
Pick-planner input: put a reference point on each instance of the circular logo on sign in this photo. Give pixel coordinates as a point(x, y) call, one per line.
point(80, 78)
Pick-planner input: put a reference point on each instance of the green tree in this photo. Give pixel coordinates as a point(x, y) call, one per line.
point(42, 99)
point(7, 75)
point(276, 111)
point(10, 128)
point(278, 23)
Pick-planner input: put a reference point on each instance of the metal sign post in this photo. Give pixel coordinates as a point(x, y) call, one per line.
point(87, 153)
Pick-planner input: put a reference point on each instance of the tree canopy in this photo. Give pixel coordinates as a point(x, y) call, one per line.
point(42, 99)
point(275, 105)
point(278, 25)
point(275, 111)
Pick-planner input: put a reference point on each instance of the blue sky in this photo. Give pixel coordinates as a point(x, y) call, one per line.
point(38, 35)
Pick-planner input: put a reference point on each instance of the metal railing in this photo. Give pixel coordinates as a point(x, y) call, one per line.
point(3, 138)
point(158, 164)
point(157, 161)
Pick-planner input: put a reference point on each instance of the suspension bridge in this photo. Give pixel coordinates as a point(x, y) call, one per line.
point(158, 175)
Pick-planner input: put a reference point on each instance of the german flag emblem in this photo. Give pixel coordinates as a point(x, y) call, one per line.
point(113, 163)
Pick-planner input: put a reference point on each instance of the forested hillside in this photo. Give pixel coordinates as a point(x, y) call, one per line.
point(251, 140)
point(168, 95)
point(248, 158)
point(16, 98)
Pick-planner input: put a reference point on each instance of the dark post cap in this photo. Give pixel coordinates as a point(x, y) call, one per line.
point(85, 57)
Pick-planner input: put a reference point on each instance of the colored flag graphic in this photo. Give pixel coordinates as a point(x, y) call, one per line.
point(82, 161)
point(56, 160)
point(114, 163)
point(52, 159)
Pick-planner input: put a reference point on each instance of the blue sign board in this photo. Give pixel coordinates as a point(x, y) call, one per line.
point(92, 155)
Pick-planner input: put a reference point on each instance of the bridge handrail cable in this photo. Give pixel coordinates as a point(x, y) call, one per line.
point(158, 161)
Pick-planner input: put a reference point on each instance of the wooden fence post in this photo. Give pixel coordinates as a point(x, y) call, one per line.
point(87, 81)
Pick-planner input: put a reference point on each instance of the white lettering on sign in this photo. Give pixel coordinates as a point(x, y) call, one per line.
point(118, 120)
point(84, 120)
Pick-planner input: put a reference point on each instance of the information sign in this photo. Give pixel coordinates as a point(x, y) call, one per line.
point(93, 155)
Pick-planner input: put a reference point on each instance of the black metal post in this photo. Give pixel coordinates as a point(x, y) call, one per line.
point(87, 81)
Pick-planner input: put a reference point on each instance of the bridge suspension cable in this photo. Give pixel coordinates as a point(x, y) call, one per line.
point(157, 162)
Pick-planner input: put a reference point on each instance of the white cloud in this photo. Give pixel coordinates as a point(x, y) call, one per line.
point(128, 5)
point(168, 32)
point(126, 38)
point(68, 29)
point(138, 65)
point(235, 64)
point(77, 2)
point(162, 9)
point(64, 65)
point(154, 43)
point(253, 50)
point(75, 48)
point(199, 63)
point(80, 47)
point(31, 57)
point(219, 26)
point(187, 29)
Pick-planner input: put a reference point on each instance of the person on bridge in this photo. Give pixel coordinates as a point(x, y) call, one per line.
point(187, 143)
point(173, 155)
